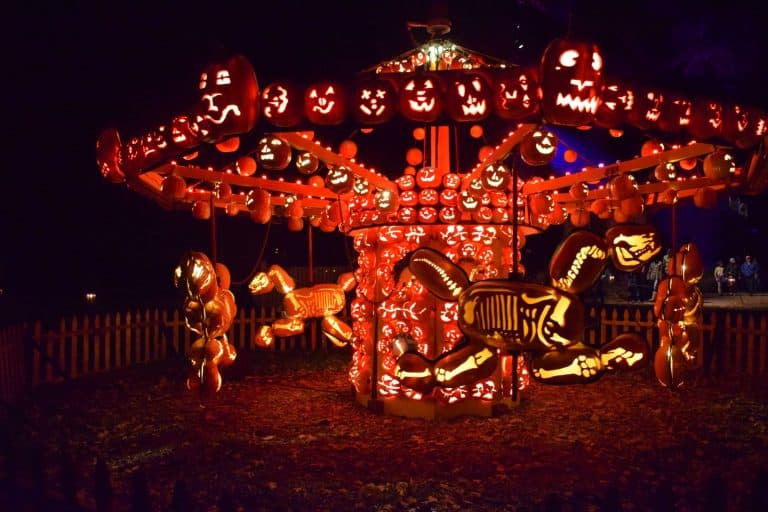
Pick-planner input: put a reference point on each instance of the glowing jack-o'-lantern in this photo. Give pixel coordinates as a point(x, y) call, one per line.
point(306, 162)
point(108, 156)
point(273, 153)
point(514, 94)
point(325, 103)
point(648, 108)
point(675, 114)
point(633, 245)
point(571, 82)
point(185, 133)
point(743, 126)
point(339, 179)
point(282, 104)
point(706, 119)
point(427, 177)
point(374, 101)
point(538, 147)
point(420, 97)
point(495, 176)
point(229, 99)
point(259, 202)
point(196, 275)
point(468, 96)
point(618, 102)
point(385, 200)
point(719, 165)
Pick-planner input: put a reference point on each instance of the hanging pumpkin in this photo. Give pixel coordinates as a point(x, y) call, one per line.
point(515, 94)
point(196, 275)
point(325, 103)
point(648, 107)
point(467, 95)
point(622, 186)
point(676, 112)
point(307, 163)
point(420, 97)
point(633, 245)
point(538, 147)
point(201, 209)
point(578, 262)
point(706, 119)
point(174, 187)
point(743, 126)
point(229, 99)
point(495, 176)
point(705, 197)
point(688, 264)
point(618, 103)
point(571, 82)
point(282, 104)
point(108, 156)
point(579, 217)
point(665, 172)
point(339, 179)
point(374, 101)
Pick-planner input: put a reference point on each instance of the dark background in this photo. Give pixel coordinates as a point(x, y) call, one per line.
point(72, 71)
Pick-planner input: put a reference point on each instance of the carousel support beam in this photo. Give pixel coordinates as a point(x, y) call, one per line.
point(636, 164)
point(298, 141)
point(500, 152)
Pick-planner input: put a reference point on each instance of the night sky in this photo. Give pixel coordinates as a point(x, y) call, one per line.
point(75, 71)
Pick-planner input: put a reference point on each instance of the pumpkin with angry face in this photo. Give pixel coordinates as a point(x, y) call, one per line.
point(468, 96)
point(571, 82)
point(420, 97)
point(325, 103)
point(229, 99)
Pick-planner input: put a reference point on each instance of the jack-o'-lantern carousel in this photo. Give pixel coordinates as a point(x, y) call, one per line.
point(443, 320)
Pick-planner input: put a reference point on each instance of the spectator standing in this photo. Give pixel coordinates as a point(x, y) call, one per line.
point(719, 274)
point(654, 275)
point(749, 274)
point(665, 263)
point(732, 275)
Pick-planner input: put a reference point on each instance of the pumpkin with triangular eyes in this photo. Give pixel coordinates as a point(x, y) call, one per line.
point(495, 176)
point(229, 99)
point(538, 147)
point(273, 153)
point(325, 103)
point(468, 96)
point(571, 82)
point(420, 97)
point(515, 94)
point(618, 103)
point(744, 126)
point(374, 101)
point(339, 179)
point(649, 104)
point(706, 119)
point(282, 104)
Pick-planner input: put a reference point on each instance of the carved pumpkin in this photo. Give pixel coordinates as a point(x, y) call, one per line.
point(282, 104)
point(676, 114)
point(743, 126)
point(688, 264)
point(495, 176)
point(273, 153)
point(427, 177)
point(420, 97)
point(633, 245)
point(339, 179)
point(706, 119)
point(538, 147)
point(259, 202)
point(515, 94)
point(618, 102)
point(185, 133)
point(229, 99)
point(571, 82)
point(196, 275)
point(578, 262)
point(467, 95)
point(174, 187)
point(648, 108)
point(306, 162)
point(108, 156)
point(325, 103)
point(374, 101)
point(719, 165)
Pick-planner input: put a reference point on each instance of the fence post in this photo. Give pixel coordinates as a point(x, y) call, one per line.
point(118, 341)
point(86, 368)
point(37, 336)
point(140, 501)
point(97, 366)
point(102, 487)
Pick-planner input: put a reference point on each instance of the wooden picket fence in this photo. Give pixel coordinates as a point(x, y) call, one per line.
point(734, 341)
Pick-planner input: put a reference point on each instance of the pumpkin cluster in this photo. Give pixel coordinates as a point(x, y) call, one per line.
point(209, 307)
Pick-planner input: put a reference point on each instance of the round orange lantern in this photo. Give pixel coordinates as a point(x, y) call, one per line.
point(259, 202)
point(174, 187)
point(348, 149)
point(579, 218)
point(245, 166)
point(623, 186)
point(414, 156)
point(705, 197)
point(651, 147)
point(201, 209)
point(719, 165)
point(570, 156)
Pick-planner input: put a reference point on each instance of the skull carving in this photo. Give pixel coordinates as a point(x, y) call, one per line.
point(374, 102)
point(282, 104)
point(229, 99)
point(420, 97)
point(468, 96)
point(571, 82)
point(515, 94)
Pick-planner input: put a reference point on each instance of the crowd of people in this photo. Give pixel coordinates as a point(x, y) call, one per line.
point(736, 277)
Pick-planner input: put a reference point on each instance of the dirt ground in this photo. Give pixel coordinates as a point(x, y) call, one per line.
point(285, 434)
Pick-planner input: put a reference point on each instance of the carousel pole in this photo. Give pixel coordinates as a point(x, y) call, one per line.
point(311, 272)
point(213, 225)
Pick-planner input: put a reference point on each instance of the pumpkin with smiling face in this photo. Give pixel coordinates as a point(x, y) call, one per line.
point(282, 104)
point(468, 96)
point(618, 103)
point(325, 103)
point(538, 147)
point(571, 82)
point(339, 179)
point(495, 176)
point(374, 101)
point(706, 119)
point(420, 97)
point(515, 94)
point(648, 109)
point(229, 99)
